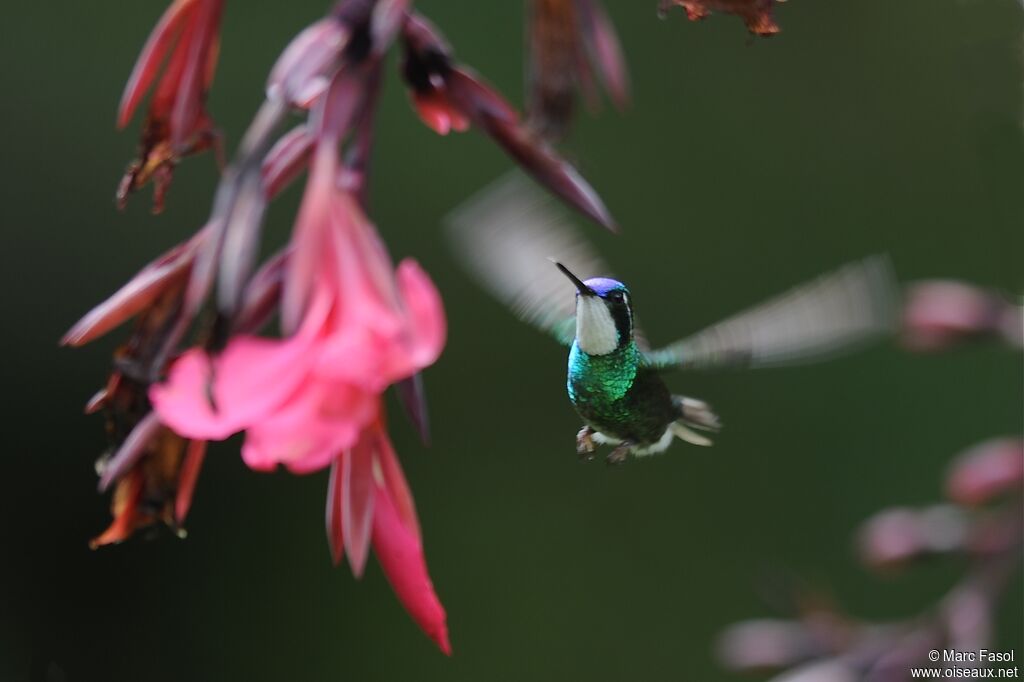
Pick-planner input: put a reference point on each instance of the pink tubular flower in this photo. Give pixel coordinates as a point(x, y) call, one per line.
point(355, 326)
point(987, 471)
point(186, 37)
point(939, 314)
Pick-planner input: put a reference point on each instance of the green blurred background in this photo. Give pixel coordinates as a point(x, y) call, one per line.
point(742, 168)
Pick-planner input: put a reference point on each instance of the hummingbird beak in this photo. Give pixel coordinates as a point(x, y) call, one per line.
point(582, 288)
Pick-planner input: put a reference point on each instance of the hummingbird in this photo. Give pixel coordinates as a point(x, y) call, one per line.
point(519, 246)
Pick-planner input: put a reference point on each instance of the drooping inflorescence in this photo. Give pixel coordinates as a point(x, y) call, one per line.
point(199, 364)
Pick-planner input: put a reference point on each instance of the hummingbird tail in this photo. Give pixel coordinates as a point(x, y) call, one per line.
point(697, 413)
point(694, 414)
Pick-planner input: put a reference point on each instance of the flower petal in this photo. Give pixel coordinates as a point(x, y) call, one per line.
point(308, 237)
point(606, 52)
point(395, 484)
point(427, 322)
point(335, 535)
point(401, 556)
point(131, 450)
point(187, 478)
point(987, 471)
point(150, 59)
point(195, 71)
point(138, 294)
point(357, 502)
point(250, 379)
point(286, 159)
point(309, 430)
point(492, 114)
point(307, 57)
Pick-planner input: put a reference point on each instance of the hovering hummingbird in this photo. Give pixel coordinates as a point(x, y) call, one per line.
point(520, 247)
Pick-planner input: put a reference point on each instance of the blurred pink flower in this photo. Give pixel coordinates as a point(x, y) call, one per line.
point(356, 327)
point(893, 537)
point(986, 471)
point(186, 43)
point(766, 644)
point(940, 313)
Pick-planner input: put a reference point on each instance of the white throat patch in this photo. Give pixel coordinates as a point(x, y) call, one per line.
point(596, 333)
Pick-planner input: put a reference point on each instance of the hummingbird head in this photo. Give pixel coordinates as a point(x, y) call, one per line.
point(604, 317)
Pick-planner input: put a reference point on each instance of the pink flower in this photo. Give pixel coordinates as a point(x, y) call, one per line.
point(355, 326)
point(186, 38)
point(938, 314)
point(987, 471)
point(439, 113)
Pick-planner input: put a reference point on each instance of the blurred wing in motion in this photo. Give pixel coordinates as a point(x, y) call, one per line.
point(831, 314)
point(506, 237)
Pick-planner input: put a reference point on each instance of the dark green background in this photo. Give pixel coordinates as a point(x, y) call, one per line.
point(742, 168)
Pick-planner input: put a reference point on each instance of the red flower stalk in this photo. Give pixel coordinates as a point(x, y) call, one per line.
point(572, 44)
point(756, 14)
point(187, 39)
point(450, 97)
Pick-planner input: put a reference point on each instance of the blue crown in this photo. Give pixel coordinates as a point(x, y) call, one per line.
point(603, 286)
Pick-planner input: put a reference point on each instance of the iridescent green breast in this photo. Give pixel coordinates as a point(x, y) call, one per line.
point(598, 379)
point(616, 397)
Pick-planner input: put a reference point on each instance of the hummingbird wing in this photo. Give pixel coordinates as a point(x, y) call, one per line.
point(506, 237)
point(835, 312)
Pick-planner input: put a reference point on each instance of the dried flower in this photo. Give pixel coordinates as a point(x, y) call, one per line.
point(152, 469)
point(756, 14)
point(187, 39)
point(158, 488)
point(572, 45)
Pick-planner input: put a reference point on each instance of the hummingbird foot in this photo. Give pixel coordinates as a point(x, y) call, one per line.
point(585, 443)
point(620, 453)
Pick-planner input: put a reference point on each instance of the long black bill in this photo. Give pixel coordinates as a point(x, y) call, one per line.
point(582, 288)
